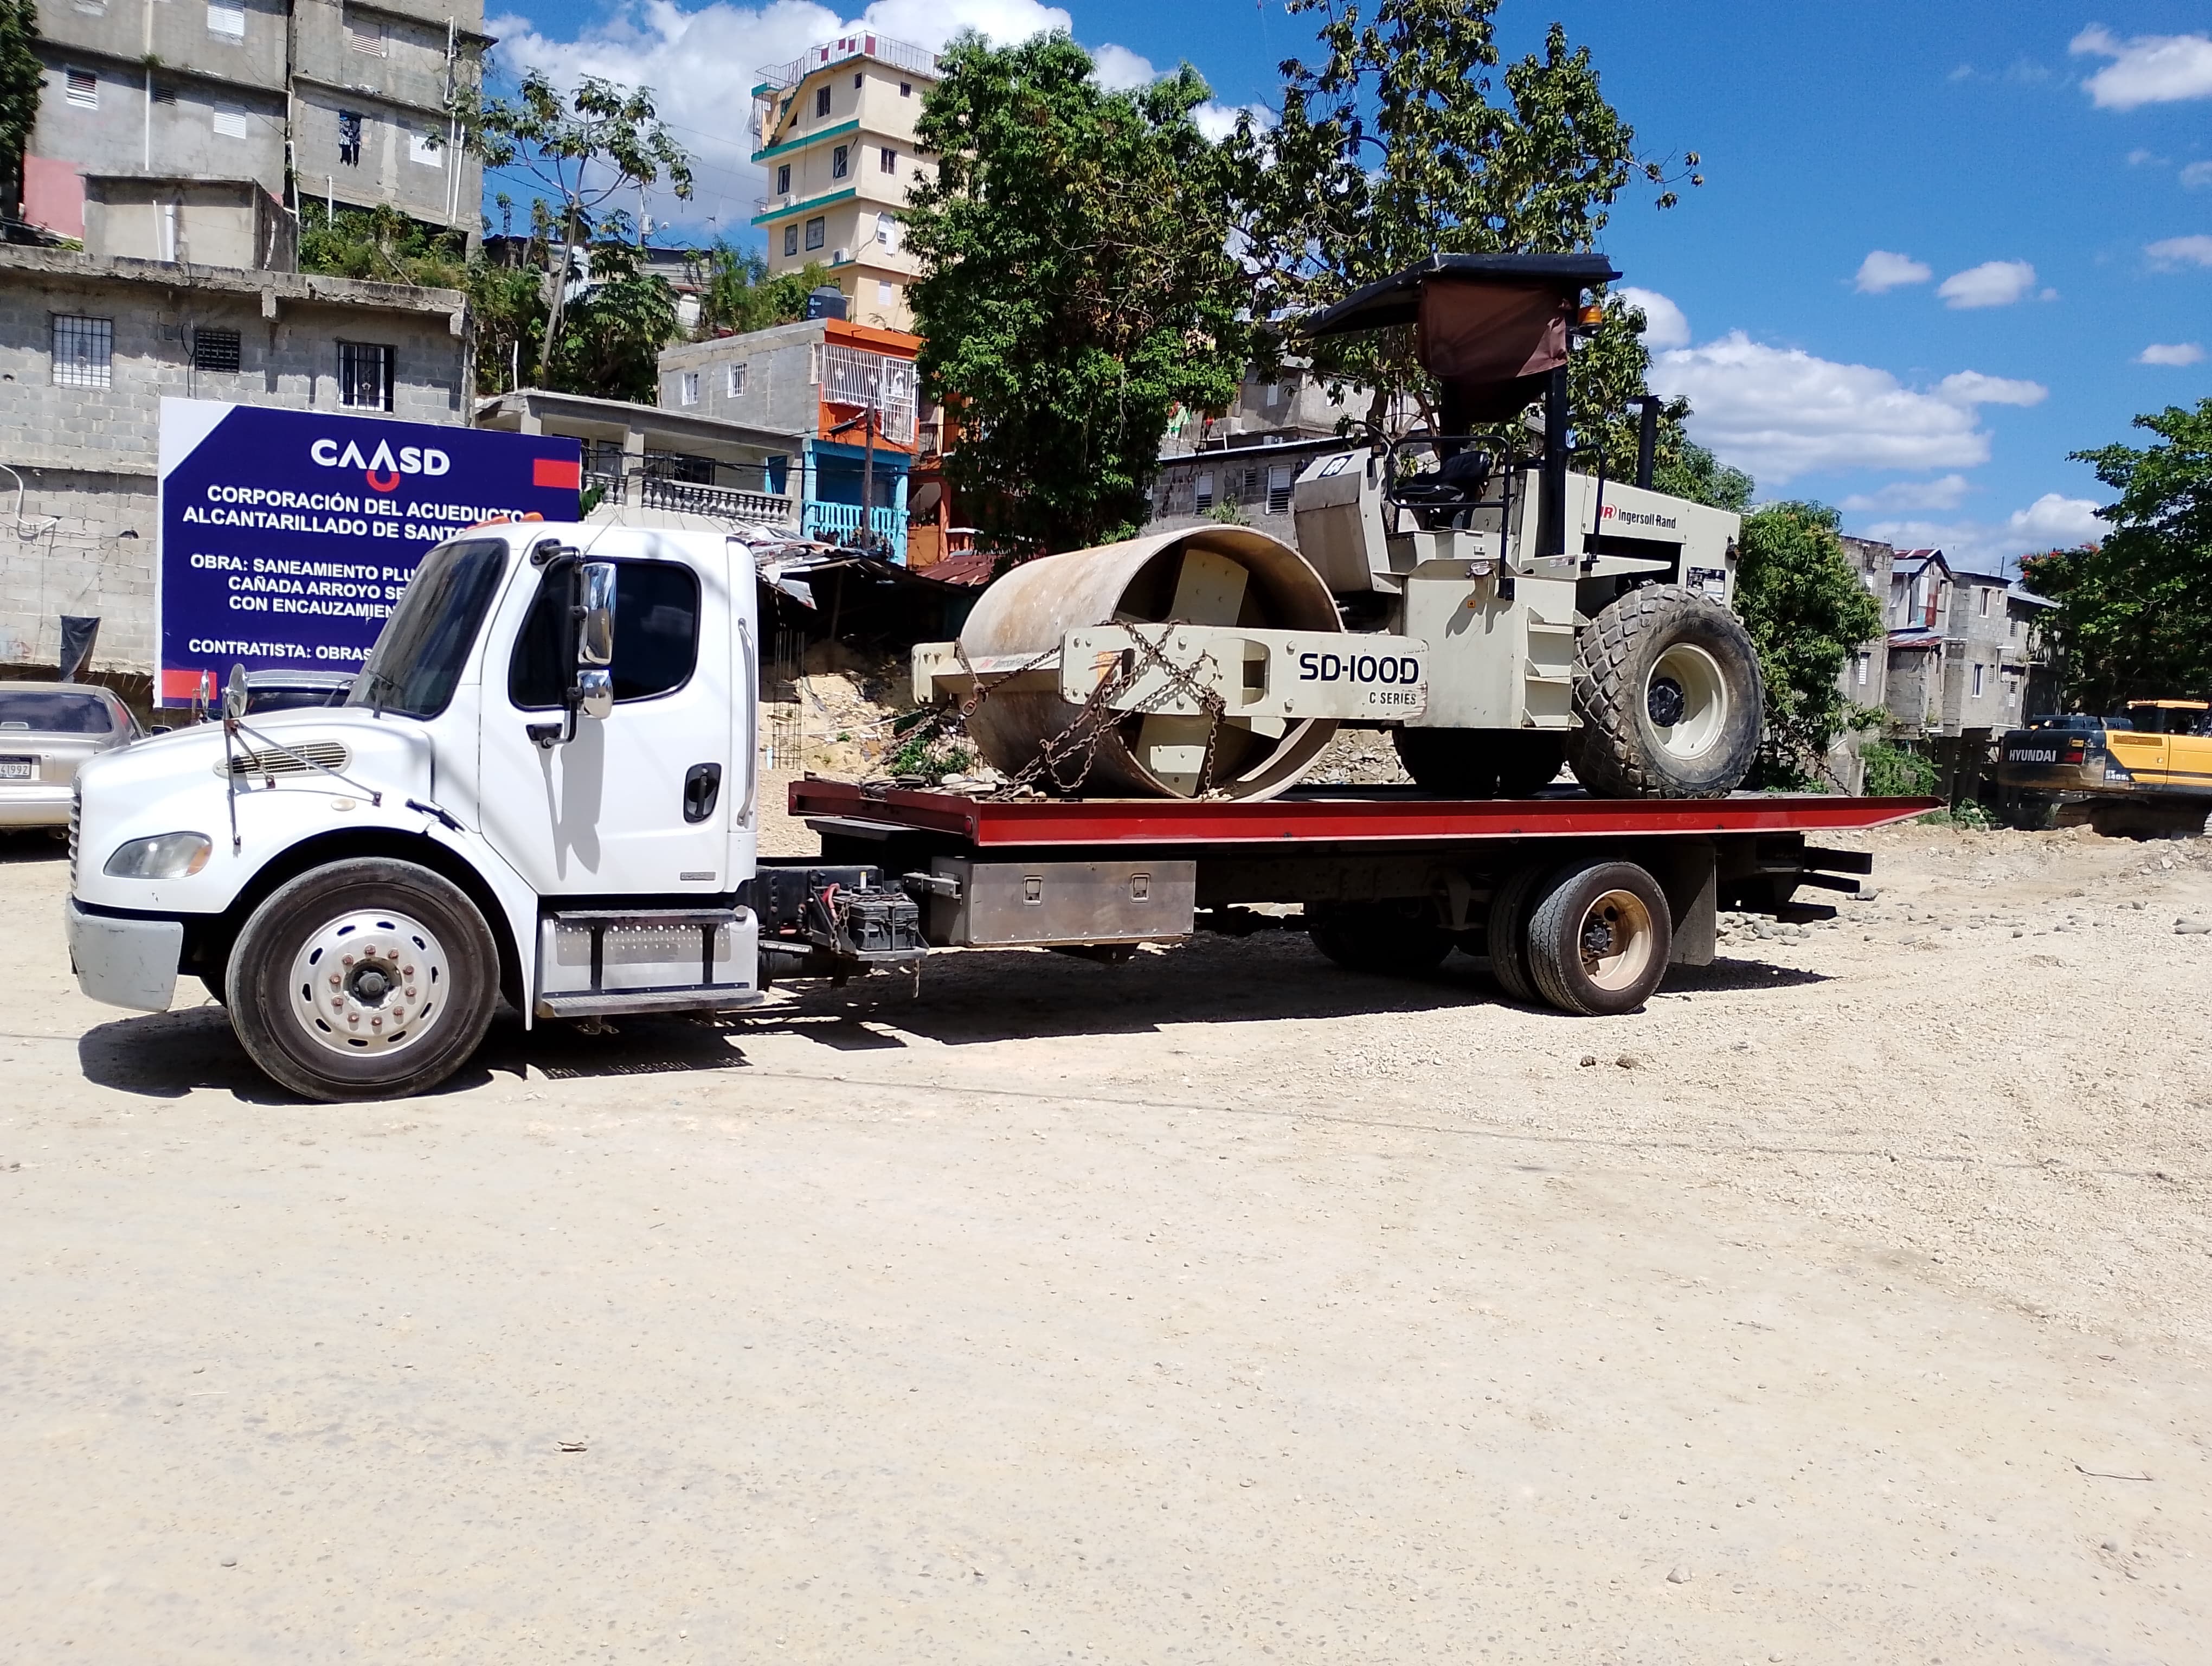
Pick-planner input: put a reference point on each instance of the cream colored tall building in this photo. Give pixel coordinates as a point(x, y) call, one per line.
point(833, 132)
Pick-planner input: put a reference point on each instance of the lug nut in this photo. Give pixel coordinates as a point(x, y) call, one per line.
point(352, 1018)
point(338, 1004)
point(347, 961)
point(410, 992)
point(376, 1024)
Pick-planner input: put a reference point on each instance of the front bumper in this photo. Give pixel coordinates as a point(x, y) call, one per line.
point(122, 961)
point(37, 804)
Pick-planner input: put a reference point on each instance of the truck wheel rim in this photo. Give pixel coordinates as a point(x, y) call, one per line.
point(369, 982)
point(1616, 939)
point(1686, 699)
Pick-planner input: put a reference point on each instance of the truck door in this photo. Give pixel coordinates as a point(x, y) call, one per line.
point(638, 805)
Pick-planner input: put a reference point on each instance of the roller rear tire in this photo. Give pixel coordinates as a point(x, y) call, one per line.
point(365, 979)
point(1668, 690)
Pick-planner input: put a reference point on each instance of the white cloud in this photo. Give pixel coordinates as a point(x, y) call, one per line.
point(1664, 326)
point(2140, 157)
point(1781, 412)
point(690, 58)
point(1970, 387)
point(2197, 176)
point(2051, 522)
point(1992, 283)
point(1905, 494)
point(2146, 68)
point(1218, 121)
point(2173, 252)
point(1882, 271)
point(2171, 353)
point(1119, 68)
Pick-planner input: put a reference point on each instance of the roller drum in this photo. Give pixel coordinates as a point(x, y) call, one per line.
point(1208, 575)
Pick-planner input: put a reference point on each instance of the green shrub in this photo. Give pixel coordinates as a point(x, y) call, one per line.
point(1896, 772)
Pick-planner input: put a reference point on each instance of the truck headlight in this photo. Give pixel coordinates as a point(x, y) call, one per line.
point(164, 856)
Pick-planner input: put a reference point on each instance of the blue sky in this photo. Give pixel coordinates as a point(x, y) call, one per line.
point(2034, 181)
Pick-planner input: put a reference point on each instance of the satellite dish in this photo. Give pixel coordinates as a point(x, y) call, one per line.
point(234, 695)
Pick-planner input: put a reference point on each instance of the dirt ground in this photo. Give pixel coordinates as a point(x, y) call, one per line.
point(1848, 1304)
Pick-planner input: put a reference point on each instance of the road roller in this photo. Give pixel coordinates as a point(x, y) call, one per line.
point(1499, 612)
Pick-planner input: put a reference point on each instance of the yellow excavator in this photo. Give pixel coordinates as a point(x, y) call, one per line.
point(2144, 772)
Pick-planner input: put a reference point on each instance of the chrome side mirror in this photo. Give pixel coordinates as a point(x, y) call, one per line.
point(595, 692)
point(595, 614)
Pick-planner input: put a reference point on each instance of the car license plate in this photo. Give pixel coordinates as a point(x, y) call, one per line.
point(17, 768)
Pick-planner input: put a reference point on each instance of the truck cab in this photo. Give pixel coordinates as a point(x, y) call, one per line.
point(540, 784)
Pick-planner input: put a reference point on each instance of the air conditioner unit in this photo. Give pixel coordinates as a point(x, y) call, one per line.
point(838, 257)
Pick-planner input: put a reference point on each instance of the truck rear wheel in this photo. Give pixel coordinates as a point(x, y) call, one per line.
point(1600, 939)
point(1481, 763)
point(1668, 690)
point(1381, 937)
point(1511, 904)
point(368, 979)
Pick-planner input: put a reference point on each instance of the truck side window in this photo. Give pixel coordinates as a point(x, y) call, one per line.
point(656, 636)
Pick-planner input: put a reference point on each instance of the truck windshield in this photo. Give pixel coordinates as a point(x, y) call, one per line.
point(417, 661)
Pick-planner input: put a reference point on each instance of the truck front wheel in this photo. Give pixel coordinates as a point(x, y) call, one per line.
point(366, 979)
point(1667, 688)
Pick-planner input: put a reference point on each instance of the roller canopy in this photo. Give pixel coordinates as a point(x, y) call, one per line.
point(1488, 327)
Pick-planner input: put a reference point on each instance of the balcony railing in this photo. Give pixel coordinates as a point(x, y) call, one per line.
point(690, 497)
point(896, 53)
point(840, 522)
point(853, 376)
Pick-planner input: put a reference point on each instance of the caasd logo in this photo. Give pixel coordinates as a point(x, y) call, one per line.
point(382, 467)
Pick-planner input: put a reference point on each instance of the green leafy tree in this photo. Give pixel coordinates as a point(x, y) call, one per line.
point(1695, 473)
point(610, 345)
point(1391, 148)
point(2136, 610)
point(1807, 611)
point(21, 77)
point(1076, 284)
point(584, 151)
point(380, 245)
point(739, 294)
point(507, 305)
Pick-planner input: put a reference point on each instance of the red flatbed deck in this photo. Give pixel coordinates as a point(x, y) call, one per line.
point(1336, 815)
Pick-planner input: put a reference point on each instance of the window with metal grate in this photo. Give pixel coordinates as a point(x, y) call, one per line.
point(365, 376)
point(84, 351)
point(216, 349)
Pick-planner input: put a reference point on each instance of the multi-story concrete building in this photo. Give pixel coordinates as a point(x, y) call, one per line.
point(834, 130)
point(848, 393)
point(1293, 404)
point(89, 343)
point(335, 100)
point(1968, 659)
point(1864, 679)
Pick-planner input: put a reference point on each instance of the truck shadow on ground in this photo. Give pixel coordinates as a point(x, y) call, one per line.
point(35, 844)
point(974, 998)
point(981, 996)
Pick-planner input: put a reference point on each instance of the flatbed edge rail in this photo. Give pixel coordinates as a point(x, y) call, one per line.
point(1383, 815)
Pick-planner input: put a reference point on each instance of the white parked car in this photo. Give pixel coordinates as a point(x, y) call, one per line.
point(47, 732)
